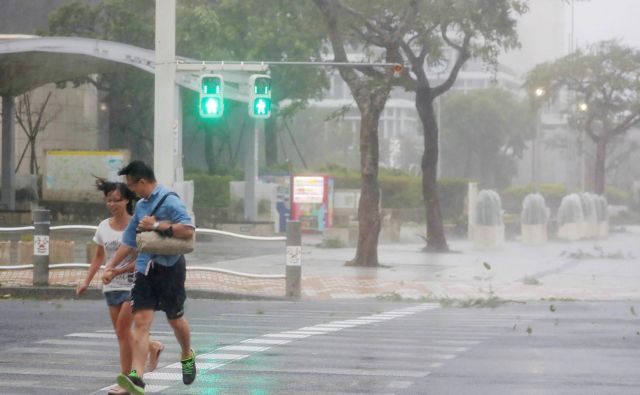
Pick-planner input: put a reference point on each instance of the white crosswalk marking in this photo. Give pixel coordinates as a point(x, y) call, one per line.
point(265, 341)
point(354, 349)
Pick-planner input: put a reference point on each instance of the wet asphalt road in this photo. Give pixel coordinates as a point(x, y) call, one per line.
point(346, 347)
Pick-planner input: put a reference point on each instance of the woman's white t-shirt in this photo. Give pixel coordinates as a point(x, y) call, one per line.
point(111, 239)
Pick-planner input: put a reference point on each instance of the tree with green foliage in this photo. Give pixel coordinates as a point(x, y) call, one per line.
point(370, 89)
point(603, 82)
point(423, 33)
point(450, 32)
point(247, 30)
point(129, 92)
point(242, 30)
point(483, 134)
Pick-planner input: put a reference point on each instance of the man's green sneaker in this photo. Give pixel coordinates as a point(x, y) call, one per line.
point(189, 368)
point(132, 383)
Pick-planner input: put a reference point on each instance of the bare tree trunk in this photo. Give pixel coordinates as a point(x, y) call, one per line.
point(368, 209)
point(370, 96)
point(436, 240)
point(33, 163)
point(599, 174)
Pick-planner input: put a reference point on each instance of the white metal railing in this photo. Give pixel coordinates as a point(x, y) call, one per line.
point(239, 236)
point(198, 230)
point(191, 268)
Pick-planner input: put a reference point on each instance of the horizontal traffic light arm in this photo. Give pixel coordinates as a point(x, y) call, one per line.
point(188, 73)
point(264, 66)
point(235, 84)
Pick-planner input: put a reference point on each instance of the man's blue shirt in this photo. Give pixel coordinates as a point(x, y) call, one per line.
point(172, 209)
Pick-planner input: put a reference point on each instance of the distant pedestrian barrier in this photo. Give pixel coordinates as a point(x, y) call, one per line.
point(41, 253)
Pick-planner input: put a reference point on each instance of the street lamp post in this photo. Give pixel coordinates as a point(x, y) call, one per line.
point(582, 107)
point(539, 93)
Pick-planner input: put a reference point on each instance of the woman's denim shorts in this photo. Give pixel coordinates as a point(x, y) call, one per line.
point(116, 298)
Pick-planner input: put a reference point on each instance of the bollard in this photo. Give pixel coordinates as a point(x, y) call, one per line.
point(41, 222)
point(294, 260)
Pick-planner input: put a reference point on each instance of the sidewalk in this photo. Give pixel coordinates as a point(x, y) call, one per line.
point(586, 270)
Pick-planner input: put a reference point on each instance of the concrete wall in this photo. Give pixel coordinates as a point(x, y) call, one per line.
point(74, 122)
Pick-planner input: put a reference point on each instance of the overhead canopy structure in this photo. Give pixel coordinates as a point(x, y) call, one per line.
point(27, 62)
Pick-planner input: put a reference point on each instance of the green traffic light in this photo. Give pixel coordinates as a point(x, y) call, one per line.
point(262, 86)
point(262, 106)
point(211, 85)
point(211, 107)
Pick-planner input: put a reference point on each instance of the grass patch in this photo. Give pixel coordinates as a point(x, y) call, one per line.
point(598, 253)
point(529, 280)
point(552, 299)
point(331, 243)
point(490, 301)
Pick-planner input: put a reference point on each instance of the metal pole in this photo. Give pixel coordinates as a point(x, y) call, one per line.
point(251, 65)
point(41, 223)
point(294, 260)
point(251, 172)
point(472, 198)
point(534, 148)
point(165, 120)
point(8, 154)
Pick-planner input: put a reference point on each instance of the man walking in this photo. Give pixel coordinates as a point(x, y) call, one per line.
point(159, 279)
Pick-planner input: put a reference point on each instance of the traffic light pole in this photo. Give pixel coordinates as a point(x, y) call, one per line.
point(170, 72)
point(251, 172)
point(167, 155)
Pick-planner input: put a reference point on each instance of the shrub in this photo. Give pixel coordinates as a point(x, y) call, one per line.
point(401, 190)
point(601, 208)
point(617, 196)
point(264, 206)
point(210, 190)
point(513, 197)
point(452, 194)
point(488, 208)
point(589, 208)
point(570, 210)
point(534, 210)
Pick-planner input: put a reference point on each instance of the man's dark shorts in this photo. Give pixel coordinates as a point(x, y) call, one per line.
point(161, 289)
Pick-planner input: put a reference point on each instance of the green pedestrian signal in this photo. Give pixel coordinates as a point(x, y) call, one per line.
point(211, 96)
point(261, 107)
point(211, 107)
point(259, 96)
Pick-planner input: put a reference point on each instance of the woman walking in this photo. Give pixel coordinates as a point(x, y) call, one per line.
point(118, 281)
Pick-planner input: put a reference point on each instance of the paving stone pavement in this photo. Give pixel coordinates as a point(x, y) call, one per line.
point(312, 287)
point(607, 269)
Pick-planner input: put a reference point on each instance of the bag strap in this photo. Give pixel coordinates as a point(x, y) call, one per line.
point(162, 201)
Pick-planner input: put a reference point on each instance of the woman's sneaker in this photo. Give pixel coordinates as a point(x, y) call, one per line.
point(189, 368)
point(132, 383)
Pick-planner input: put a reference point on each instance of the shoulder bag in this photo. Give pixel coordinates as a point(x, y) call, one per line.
point(152, 242)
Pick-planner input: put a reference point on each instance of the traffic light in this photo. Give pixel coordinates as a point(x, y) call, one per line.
point(260, 96)
point(211, 103)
